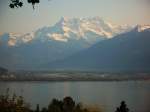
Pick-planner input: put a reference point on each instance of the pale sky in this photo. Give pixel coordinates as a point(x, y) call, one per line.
point(48, 12)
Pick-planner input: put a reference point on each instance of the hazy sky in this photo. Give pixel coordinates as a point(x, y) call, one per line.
point(48, 12)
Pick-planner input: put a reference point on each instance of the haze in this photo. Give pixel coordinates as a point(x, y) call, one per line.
point(48, 12)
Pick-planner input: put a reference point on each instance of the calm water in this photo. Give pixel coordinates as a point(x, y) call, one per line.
point(106, 95)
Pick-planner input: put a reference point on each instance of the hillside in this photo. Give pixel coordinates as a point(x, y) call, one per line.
point(126, 52)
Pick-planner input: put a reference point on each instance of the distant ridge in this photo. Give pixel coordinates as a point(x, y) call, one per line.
point(3, 71)
point(126, 52)
point(50, 43)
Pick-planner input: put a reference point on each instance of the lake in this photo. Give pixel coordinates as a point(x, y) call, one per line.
point(107, 95)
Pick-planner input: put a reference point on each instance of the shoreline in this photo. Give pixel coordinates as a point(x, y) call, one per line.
point(76, 80)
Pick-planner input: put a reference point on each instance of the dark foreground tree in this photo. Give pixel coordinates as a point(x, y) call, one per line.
point(33, 2)
point(14, 103)
point(68, 104)
point(15, 3)
point(123, 107)
point(18, 3)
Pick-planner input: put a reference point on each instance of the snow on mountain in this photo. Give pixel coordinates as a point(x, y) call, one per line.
point(96, 25)
point(125, 52)
point(141, 28)
point(67, 37)
point(28, 37)
point(16, 39)
point(89, 29)
point(57, 37)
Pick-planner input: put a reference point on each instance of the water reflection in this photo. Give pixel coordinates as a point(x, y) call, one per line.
point(105, 94)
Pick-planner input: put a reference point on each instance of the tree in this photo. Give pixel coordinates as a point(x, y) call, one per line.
point(55, 106)
point(18, 3)
point(122, 108)
point(37, 108)
point(15, 3)
point(12, 103)
point(68, 104)
point(44, 110)
point(78, 108)
point(33, 2)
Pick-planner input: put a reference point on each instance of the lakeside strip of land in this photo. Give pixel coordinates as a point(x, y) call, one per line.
point(72, 76)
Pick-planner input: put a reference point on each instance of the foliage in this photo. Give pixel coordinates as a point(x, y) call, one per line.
point(15, 3)
point(17, 104)
point(123, 107)
point(12, 103)
point(18, 3)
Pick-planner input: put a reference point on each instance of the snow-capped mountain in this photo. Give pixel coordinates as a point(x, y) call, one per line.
point(129, 51)
point(65, 38)
point(90, 30)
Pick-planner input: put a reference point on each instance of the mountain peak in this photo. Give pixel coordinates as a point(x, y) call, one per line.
point(63, 20)
point(90, 29)
point(141, 28)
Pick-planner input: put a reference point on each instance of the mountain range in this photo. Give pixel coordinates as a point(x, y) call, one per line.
point(76, 43)
point(129, 51)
